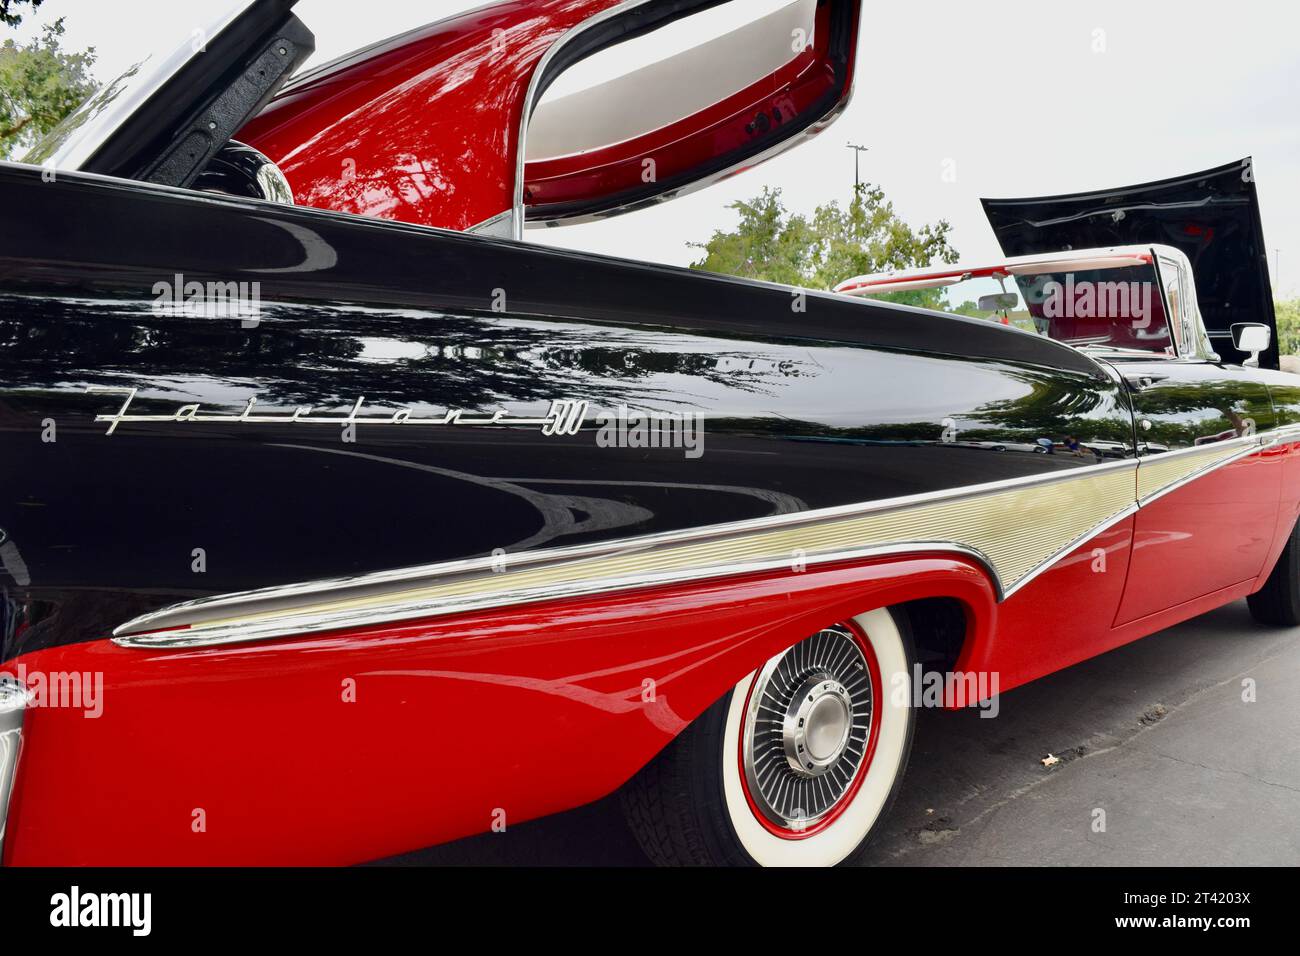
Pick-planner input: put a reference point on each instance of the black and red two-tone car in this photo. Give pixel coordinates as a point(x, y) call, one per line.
point(357, 524)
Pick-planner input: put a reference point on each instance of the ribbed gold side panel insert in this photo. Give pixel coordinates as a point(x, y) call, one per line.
point(1017, 529)
point(1160, 471)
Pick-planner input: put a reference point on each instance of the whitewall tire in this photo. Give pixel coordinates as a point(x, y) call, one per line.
point(796, 766)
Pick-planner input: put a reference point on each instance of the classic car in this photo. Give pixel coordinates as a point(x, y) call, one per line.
point(339, 521)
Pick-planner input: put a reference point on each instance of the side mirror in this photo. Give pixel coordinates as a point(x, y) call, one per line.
point(1252, 337)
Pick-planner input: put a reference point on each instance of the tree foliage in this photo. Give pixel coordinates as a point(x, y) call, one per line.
point(11, 19)
point(1288, 326)
point(822, 250)
point(40, 83)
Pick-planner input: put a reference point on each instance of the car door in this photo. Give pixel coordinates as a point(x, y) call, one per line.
point(1213, 529)
point(1197, 410)
point(1196, 417)
point(1207, 492)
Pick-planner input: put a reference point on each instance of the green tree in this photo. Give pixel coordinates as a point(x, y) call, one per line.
point(40, 83)
point(1288, 326)
point(823, 250)
point(8, 17)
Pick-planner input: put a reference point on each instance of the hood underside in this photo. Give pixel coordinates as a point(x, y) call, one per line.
point(1212, 216)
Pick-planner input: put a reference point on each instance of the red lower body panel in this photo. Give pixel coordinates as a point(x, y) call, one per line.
point(457, 724)
point(1209, 534)
point(1059, 618)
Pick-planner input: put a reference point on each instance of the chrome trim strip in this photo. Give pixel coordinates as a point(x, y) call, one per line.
point(272, 612)
point(13, 702)
point(311, 623)
point(1281, 434)
point(1242, 441)
point(501, 225)
point(1249, 444)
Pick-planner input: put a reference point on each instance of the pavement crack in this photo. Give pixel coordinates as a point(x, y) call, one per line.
point(1227, 770)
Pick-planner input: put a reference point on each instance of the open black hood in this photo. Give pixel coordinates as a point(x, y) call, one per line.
point(1212, 216)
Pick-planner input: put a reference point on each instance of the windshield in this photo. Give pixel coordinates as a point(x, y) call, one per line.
point(70, 144)
point(1105, 308)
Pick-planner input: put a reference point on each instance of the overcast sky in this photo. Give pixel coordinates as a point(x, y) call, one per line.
point(1015, 98)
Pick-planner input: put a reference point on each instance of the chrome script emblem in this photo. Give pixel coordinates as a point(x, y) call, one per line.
point(564, 417)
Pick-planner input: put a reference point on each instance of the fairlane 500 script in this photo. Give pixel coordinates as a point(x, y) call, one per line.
point(564, 417)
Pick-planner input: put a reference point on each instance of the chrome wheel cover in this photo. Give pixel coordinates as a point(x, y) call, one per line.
point(806, 730)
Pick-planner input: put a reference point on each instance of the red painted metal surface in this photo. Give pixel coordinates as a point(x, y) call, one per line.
point(1059, 618)
point(422, 128)
point(1287, 455)
point(523, 712)
point(1210, 534)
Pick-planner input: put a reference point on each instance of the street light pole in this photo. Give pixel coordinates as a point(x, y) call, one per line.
point(857, 154)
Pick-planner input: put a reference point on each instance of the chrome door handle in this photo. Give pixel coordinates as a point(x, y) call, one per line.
point(1140, 383)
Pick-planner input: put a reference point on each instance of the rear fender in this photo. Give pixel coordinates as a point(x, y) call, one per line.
point(374, 742)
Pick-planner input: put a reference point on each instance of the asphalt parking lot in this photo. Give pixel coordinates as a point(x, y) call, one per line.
point(1156, 734)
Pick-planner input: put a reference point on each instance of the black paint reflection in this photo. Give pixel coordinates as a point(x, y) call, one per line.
point(787, 427)
point(1186, 404)
point(846, 403)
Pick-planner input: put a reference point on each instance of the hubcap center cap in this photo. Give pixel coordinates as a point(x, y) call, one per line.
point(828, 724)
point(817, 724)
